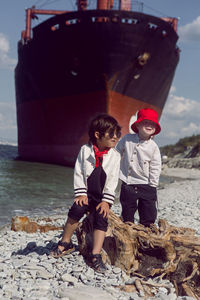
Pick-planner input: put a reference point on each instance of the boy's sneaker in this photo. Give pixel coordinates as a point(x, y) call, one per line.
point(96, 263)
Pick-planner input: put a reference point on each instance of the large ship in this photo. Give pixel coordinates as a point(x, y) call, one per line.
point(76, 64)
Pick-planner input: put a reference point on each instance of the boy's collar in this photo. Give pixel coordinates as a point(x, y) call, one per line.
point(96, 149)
point(142, 140)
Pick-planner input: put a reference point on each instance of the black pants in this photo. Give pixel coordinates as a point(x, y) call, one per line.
point(96, 182)
point(141, 197)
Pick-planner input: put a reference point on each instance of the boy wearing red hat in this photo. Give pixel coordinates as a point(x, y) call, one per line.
point(140, 168)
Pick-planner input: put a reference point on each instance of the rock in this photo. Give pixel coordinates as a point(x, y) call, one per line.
point(187, 163)
point(84, 293)
point(25, 267)
point(68, 278)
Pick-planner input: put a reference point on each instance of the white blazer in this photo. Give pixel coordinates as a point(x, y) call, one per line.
point(85, 164)
point(141, 160)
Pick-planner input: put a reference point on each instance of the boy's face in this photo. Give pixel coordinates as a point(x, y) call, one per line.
point(106, 141)
point(146, 129)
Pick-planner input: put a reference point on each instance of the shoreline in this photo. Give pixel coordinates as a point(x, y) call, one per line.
point(179, 201)
point(182, 173)
point(28, 272)
point(176, 175)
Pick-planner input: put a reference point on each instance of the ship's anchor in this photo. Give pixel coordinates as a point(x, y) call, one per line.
point(143, 58)
point(141, 61)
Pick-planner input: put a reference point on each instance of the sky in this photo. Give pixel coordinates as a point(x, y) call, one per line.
point(181, 114)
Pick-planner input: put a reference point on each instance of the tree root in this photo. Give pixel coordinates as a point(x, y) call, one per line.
point(165, 251)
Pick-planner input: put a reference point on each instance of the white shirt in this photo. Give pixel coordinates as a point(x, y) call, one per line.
point(141, 160)
point(85, 164)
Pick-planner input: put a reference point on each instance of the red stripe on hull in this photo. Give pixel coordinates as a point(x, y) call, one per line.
point(48, 132)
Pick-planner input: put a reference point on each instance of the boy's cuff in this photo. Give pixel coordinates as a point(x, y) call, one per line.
point(80, 192)
point(110, 202)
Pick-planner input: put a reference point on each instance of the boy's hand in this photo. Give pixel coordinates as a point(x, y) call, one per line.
point(104, 208)
point(81, 200)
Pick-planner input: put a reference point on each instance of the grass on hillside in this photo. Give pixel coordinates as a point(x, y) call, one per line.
point(181, 146)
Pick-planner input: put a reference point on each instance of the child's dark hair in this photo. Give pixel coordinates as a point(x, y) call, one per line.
point(103, 123)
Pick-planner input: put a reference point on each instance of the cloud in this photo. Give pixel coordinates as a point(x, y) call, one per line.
point(5, 60)
point(172, 89)
point(190, 32)
point(8, 126)
point(180, 118)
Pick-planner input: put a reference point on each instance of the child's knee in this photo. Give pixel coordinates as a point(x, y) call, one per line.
point(76, 212)
point(100, 222)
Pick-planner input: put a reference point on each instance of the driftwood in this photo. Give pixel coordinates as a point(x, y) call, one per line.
point(165, 251)
point(23, 223)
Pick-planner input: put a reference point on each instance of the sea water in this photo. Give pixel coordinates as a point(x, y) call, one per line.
point(30, 188)
point(33, 189)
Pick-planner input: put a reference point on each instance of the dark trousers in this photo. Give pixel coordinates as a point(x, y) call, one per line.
point(96, 182)
point(141, 197)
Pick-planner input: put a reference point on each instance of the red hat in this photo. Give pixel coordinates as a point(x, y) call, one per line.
point(147, 114)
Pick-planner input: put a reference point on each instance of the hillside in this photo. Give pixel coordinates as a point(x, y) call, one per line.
point(187, 147)
point(185, 153)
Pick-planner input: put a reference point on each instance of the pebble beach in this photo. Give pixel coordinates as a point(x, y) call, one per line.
point(27, 272)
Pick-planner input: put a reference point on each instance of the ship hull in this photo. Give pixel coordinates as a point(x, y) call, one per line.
point(64, 77)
